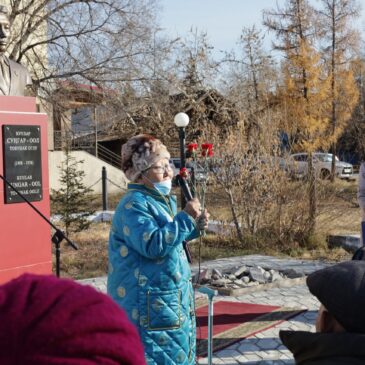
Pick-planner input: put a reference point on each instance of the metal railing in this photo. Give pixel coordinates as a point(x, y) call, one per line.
point(85, 142)
point(108, 156)
point(73, 141)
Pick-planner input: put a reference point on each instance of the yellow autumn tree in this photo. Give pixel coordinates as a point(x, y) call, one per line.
point(345, 97)
point(339, 43)
point(306, 96)
point(353, 137)
point(305, 89)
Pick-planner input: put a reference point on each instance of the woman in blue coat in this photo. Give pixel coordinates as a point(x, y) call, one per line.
point(149, 275)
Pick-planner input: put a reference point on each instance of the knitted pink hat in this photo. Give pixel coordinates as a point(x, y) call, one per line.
point(140, 153)
point(49, 321)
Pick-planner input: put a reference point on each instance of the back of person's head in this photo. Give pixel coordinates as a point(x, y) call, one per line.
point(341, 290)
point(47, 321)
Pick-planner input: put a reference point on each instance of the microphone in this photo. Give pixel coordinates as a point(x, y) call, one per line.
point(184, 187)
point(186, 191)
point(188, 196)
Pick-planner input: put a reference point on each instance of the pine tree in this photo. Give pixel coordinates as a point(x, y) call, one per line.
point(73, 199)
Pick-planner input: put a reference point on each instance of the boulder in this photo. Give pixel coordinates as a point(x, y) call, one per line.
point(217, 273)
point(292, 273)
point(275, 276)
point(256, 274)
point(221, 282)
point(205, 276)
point(240, 272)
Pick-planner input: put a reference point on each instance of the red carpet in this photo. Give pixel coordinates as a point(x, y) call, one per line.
point(234, 321)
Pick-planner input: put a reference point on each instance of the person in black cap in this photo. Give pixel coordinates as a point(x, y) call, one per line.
point(340, 325)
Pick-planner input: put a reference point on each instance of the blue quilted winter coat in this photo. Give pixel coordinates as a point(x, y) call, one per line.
point(149, 275)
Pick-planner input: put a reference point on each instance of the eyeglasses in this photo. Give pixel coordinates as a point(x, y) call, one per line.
point(161, 169)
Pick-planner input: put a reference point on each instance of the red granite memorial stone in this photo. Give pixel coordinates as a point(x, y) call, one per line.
point(25, 238)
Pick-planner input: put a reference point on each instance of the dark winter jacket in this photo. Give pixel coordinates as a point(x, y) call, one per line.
point(325, 348)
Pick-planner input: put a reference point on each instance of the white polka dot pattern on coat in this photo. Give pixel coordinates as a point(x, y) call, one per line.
point(126, 230)
point(121, 292)
point(142, 280)
point(146, 236)
point(128, 205)
point(123, 251)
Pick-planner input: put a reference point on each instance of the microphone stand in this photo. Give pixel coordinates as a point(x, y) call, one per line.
point(202, 289)
point(58, 236)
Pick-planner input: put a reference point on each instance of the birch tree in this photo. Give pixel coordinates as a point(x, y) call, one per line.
point(90, 41)
point(251, 78)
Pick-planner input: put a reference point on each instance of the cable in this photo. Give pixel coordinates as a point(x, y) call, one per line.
point(93, 184)
point(116, 185)
point(194, 287)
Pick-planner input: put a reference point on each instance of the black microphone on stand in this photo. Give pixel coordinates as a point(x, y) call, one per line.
point(184, 187)
point(57, 237)
point(188, 196)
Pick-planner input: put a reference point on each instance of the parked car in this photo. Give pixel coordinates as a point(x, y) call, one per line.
point(297, 166)
point(253, 165)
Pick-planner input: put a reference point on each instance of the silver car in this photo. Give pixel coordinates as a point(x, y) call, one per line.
point(297, 166)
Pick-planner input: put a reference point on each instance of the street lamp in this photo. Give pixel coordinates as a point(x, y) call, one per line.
point(181, 121)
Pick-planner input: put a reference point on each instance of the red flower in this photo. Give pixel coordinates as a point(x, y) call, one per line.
point(192, 147)
point(184, 173)
point(207, 149)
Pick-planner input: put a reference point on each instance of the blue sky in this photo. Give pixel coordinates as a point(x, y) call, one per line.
point(221, 19)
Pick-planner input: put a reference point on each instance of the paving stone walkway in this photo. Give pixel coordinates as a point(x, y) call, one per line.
point(264, 347)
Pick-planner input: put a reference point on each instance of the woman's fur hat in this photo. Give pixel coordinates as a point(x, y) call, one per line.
point(140, 153)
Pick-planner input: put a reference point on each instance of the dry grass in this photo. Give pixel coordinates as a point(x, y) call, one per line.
point(338, 213)
point(91, 260)
point(338, 209)
point(337, 219)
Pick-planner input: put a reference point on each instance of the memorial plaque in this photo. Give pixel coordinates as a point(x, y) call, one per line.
point(22, 162)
